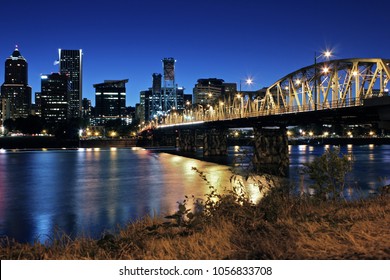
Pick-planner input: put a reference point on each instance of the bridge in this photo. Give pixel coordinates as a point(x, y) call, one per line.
point(344, 91)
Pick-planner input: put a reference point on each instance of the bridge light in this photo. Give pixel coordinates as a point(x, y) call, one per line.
point(327, 54)
point(325, 70)
point(298, 82)
point(354, 73)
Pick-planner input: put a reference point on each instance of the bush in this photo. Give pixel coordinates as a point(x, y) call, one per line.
point(328, 173)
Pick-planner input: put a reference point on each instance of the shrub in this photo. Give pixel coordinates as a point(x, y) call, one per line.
point(328, 173)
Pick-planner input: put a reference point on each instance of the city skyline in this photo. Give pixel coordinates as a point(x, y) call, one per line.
point(228, 40)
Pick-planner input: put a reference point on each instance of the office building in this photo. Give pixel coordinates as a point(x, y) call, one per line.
point(70, 62)
point(86, 109)
point(110, 100)
point(145, 112)
point(15, 91)
point(207, 91)
point(54, 99)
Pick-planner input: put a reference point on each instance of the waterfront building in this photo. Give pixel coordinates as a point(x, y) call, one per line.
point(15, 91)
point(70, 62)
point(54, 99)
point(110, 100)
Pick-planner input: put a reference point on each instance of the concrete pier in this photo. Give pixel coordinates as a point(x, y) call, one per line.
point(215, 142)
point(270, 153)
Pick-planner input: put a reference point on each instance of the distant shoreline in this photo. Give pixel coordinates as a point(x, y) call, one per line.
point(50, 142)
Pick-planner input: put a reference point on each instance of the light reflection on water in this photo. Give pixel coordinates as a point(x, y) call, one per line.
point(87, 191)
point(92, 190)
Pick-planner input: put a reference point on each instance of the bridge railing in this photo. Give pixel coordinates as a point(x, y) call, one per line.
point(230, 112)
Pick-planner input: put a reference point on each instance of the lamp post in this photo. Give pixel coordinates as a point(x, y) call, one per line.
point(326, 54)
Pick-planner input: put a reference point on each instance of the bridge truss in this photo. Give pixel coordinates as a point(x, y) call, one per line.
point(326, 85)
point(333, 84)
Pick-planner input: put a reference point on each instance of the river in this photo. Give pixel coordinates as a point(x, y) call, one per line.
point(89, 191)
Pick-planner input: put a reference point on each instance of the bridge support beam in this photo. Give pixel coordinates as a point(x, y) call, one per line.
point(187, 140)
point(270, 153)
point(215, 142)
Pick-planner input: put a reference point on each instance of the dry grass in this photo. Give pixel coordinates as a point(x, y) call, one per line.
point(280, 227)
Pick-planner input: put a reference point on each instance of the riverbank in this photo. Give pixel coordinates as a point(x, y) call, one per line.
point(280, 227)
point(36, 142)
point(51, 142)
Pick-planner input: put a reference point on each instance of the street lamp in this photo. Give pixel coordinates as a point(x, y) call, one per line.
point(248, 81)
point(326, 54)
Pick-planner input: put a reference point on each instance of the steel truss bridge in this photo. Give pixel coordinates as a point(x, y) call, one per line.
point(336, 88)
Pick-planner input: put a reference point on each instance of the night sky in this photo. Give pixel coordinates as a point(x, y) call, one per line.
point(225, 39)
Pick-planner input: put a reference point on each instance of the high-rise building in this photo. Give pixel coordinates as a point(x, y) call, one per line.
point(54, 99)
point(86, 109)
point(155, 104)
point(15, 91)
point(145, 111)
point(206, 91)
point(110, 100)
point(70, 62)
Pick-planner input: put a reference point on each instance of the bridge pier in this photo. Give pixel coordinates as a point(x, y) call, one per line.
point(187, 140)
point(162, 138)
point(270, 153)
point(215, 142)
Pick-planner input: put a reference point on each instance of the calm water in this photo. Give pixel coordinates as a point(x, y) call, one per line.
point(85, 192)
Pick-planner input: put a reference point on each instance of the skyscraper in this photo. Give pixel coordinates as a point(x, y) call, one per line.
point(15, 91)
point(71, 65)
point(54, 99)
